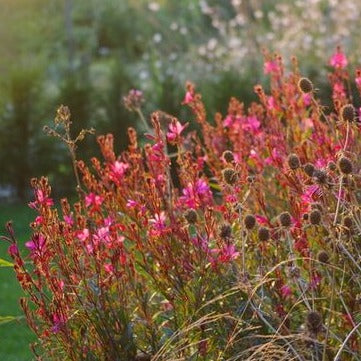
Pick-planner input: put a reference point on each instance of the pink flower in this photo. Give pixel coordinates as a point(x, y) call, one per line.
point(189, 98)
point(36, 245)
point(69, 220)
point(158, 221)
point(251, 124)
point(109, 268)
point(306, 99)
point(286, 291)
point(228, 253)
point(228, 121)
point(131, 203)
point(175, 130)
point(102, 235)
point(271, 104)
point(117, 170)
point(13, 250)
point(271, 67)
point(39, 220)
point(59, 321)
point(83, 235)
point(93, 200)
point(338, 60)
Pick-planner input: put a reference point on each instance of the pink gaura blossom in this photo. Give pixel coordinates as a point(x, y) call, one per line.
point(358, 81)
point(270, 67)
point(36, 245)
point(196, 194)
point(117, 170)
point(188, 98)
point(93, 200)
point(228, 253)
point(69, 219)
point(13, 250)
point(102, 235)
point(175, 129)
point(159, 221)
point(109, 268)
point(338, 60)
point(83, 235)
point(307, 99)
point(271, 104)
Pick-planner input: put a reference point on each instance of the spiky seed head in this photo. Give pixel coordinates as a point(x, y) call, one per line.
point(190, 216)
point(320, 176)
point(249, 221)
point(345, 165)
point(305, 216)
point(263, 234)
point(331, 166)
point(305, 85)
point(228, 156)
point(230, 176)
point(285, 219)
point(348, 113)
point(225, 231)
point(323, 256)
point(315, 217)
point(314, 322)
point(309, 168)
point(293, 161)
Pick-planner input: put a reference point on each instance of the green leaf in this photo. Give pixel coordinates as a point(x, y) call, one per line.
point(5, 263)
point(6, 319)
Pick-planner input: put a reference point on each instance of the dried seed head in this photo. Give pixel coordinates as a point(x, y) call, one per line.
point(285, 219)
point(293, 161)
point(305, 217)
point(314, 322)
point(263, 234)
point(305, 85)
point(225, 231)
point(230, 176)
point(320, 176)
point(228, 156)
point(323, 256)
point(348, 113)
point(331, 166)
point(249, 221)
point(345, 165)
point(315, 217)
point(191, 216)
point(347, 222)
point(309, 168)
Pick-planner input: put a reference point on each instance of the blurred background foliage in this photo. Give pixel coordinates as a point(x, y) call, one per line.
point(89, 54)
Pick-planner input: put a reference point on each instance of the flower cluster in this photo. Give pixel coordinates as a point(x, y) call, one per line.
point(244, 243)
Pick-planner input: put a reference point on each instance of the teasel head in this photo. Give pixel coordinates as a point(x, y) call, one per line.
point(323, 257)
point(348, 113)
point(305, 85)
point(225, 231)
point(249, 221)
point(230, 176)
point(314, 322)
point(345, 165)
point(190, 216)
point(309, 168)
point(293, 161)
point(228, 156)
point(285, 219)
point(315, 217)
point(263, 234)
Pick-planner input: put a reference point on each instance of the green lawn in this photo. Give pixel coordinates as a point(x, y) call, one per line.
point(14, 336)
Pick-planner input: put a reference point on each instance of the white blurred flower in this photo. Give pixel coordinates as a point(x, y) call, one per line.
point(153, 6)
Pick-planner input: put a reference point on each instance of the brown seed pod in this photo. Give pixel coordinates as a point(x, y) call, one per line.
point(331, 166)
point(190, 216)
point(315, 217)
point(345, 165)
point(263, 234)
point(323, 256)
point(314, 322)
point(293, 161)
point(305, 85)
point(309, 168)
point(225, 231)
point(348, 113)
point(285, 219)
point(230, 176)
point(249, 221)
point(347, 222)
point(228, 156)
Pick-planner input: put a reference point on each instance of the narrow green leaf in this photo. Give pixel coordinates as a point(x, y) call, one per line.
point(5, 263)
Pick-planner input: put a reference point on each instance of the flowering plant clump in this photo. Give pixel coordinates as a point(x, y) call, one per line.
point(240, 242)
